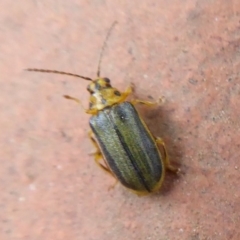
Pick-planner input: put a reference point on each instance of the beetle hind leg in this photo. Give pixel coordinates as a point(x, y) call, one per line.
point(169, 166)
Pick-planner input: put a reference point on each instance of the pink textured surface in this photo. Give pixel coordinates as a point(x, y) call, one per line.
point(186, 51)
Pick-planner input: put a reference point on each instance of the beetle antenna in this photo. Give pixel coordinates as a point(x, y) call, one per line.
point(103, 47)
point(58, 72)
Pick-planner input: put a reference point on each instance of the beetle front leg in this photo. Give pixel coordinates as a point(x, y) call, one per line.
point(127, 92)
point(148, 103)
point(130, 89)
point(97, 154)
point(89, 111)
point(76, 100)
point(169, 166)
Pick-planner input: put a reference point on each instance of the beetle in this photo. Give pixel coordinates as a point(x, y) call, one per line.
point(129, 151)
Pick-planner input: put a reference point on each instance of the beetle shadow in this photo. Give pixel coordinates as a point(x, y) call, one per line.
point(158, 120)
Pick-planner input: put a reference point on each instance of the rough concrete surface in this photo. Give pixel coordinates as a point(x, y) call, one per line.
point(185, 51)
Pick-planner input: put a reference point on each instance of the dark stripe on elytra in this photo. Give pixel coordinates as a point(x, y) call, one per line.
point(111, 164)
point(122, 116)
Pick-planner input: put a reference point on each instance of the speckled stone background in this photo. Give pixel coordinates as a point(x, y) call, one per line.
point(185, 51)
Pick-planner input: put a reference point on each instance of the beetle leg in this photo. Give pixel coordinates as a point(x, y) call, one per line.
point(166, 158)
point(89, 111)
point(148, 103)
point(92, 111)
point(98, 155)
point(127, 92)
point(76, 100)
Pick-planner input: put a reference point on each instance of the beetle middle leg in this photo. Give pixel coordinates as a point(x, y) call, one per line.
point(98, 155)
point(169, 166)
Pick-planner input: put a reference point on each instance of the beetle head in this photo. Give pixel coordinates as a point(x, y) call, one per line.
point(98, 85)
point(103, 94)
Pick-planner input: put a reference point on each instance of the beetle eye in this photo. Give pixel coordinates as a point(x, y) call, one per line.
point(89, 89)
point(107, 80)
